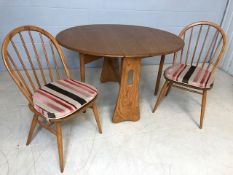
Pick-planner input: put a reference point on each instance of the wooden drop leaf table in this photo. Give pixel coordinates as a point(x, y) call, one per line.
point(130, 44)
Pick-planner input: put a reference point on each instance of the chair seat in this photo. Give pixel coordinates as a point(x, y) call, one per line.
point(61, 98)
point(190, 75)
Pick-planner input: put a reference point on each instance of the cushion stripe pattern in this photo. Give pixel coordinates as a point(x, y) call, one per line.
point(191, 75)
point(61, 98)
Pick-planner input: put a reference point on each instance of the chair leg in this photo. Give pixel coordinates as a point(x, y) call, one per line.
point(168, 89)
point(161, 95)
point(32, 128)
point(203, 105)
point(59, 145)
point(95, 111)
point(159, 74)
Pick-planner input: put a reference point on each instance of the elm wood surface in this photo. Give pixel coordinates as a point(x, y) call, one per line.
point(29, 81)
point(109, 40)
point(110, 70)
point(215, 48)
point(128, 43)
point(127, 107)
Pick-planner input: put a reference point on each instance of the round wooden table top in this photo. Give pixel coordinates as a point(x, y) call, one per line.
point(113, 40)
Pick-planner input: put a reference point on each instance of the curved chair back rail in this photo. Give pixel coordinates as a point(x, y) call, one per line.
point(205, 43)
point(28, 48)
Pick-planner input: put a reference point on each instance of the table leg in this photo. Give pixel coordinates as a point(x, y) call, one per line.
point(110, 70)
point(159, 74)
point(85, 59)
point(82, 67)
point(127, 107)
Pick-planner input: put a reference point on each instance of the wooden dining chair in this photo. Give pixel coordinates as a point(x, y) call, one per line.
point(30, 54)
point(194, 67)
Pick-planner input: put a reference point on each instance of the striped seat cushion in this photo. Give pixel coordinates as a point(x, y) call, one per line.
point(191, 75)
point(63, 97)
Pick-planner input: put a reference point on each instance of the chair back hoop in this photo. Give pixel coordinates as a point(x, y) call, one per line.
point(30, 54)
point(205, 43)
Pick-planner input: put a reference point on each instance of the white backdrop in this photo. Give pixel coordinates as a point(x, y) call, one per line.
point(56, 15)
point(227, 63)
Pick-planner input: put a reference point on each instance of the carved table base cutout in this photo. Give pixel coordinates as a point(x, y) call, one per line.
point(127, 107)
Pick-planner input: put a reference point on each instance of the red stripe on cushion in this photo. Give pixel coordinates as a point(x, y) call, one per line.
point(178, 72)
point(37, 96)
point(39, 109)
point(173, 74)
point(57, 100)
point(197, 76)
point(86, 88)
point(72, 88)
point(83, 84)
point(58, 97)
point(202, 83)
point(174, 68)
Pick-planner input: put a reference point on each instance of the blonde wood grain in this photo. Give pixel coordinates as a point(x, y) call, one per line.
point(197, 41)
point(29, 58)
point(211, 60)
point(203, 106)
point(55, 61)
point(37, 57)
point(182, 50)
point(46, 57)
point(187, 89)
point(23, 65)
point(20, 85)
point(127, 107)
point(169, 88)
point(32, 128)
point(210, 48)
point(47, 127)
point(190, 40)
point(60, 145)
point(161, 95)
point(95, 111)
point(21, 80)
point(203, 45)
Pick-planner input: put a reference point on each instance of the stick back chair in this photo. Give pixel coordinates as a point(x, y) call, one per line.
point(29, 54)
point(194, 66)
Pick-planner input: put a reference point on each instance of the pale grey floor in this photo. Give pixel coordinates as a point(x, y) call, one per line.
point(168, 142)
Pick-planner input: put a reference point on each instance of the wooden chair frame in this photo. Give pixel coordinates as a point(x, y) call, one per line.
point(202, 91)
point(20, 80)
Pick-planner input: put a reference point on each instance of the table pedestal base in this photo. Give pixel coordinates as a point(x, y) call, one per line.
point(127, 107)
point(85, 59)
point(110, 70)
